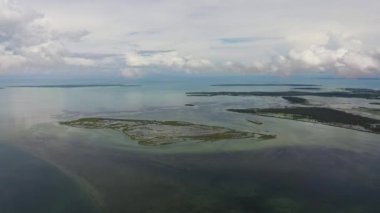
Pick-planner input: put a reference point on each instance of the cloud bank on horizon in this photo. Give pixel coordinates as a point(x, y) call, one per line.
point(141, 38)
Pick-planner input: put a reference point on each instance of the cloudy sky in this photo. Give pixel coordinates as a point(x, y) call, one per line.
point(137, 38)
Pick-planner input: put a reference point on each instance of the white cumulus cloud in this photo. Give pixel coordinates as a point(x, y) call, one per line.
point(339, 54)
point(27, 40)
point(166, 59)
point(202, 36)
point(145, 62)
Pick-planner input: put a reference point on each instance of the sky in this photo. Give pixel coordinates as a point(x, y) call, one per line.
point(141, 38)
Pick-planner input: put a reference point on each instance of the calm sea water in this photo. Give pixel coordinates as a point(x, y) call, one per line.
point(46, 167)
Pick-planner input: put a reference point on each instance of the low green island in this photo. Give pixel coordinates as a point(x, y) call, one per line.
point(347, 93)
point(264, 85)
point(153, 132)
point(307, 88)
point(296, 100)
point(255, 122)
point(327, 116)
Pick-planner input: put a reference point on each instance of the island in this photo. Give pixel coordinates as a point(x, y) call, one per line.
point(153, 132)
point(255, 122)
point(327, 116)
point(264, 85)
point(76, 85)
point(296, 100)
point(307, 88)
point(366, 94)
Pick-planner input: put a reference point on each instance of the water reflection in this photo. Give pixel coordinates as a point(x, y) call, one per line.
point(307, 168)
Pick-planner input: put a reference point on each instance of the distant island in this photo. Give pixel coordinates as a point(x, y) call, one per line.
point(263, 85)
point(321, 115)
point(77, 85)
point(307, 88)
point(296, 100)
point(347, 93)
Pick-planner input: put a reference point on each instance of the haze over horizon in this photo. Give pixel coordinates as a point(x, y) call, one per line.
point(139, 39)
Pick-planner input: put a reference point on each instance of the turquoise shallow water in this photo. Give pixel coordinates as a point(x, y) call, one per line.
point(308, 167)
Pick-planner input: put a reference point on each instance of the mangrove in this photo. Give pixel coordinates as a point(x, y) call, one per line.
point(153, 132)
point(321, 115)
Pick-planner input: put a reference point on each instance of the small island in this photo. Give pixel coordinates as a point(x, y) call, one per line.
point(296, 100)
point(76, 85)
point(307, 88)
point(255, 122)
point(153, 132)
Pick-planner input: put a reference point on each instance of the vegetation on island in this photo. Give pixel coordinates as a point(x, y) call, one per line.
point(366, 94)
point(153, 132)
point(255, 122)
point(264, 85)
point(296, 100)
point(321, 115)
point(307, 88)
